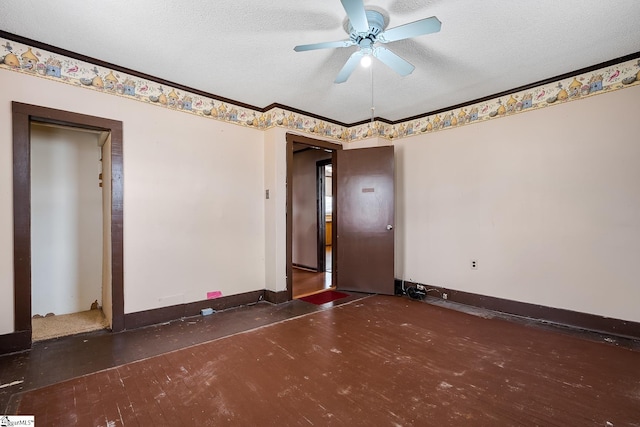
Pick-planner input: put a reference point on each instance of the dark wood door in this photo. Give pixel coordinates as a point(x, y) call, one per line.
point(364, 220)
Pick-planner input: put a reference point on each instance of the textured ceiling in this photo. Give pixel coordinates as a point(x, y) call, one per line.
point(243, 50)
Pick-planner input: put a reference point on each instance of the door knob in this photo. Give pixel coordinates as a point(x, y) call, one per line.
point(389, 227)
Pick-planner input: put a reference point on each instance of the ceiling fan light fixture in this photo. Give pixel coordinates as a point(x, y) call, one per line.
point(367, 30)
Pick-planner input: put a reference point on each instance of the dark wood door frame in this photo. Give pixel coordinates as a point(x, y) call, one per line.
point(23, 116)
point(311, 142)
point(322, 216)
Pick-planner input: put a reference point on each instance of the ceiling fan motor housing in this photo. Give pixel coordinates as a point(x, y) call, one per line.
point(376, 26)
point(372, 25)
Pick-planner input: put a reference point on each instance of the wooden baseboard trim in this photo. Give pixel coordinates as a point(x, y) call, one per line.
point(305, 267)
point(575, 319)
point(174, 312)
point(15, 341)
point(275, 297)
point(21, 340)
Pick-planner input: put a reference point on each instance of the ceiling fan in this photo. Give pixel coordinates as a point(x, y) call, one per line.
point(366, 30)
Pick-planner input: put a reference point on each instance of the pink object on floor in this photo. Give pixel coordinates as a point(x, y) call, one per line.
point(214, 294)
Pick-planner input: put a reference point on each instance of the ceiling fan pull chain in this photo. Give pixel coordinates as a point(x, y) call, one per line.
point(373, 108)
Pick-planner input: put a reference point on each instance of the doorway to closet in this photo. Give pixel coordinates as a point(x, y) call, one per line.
point(44, 256)
point(68, 238)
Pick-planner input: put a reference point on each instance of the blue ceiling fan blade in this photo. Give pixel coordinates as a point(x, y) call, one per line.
point(348, 67)
point(357, 15)
point(412, 29)
point(325, 45)
point(393, 61)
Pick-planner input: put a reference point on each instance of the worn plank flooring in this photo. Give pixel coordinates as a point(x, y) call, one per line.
point(63, 358)
point(375, 361)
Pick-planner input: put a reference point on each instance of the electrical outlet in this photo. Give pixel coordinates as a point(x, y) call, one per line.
point(445, 296)
point(474, 264)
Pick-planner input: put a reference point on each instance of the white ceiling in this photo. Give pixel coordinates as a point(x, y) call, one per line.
point(243, 50)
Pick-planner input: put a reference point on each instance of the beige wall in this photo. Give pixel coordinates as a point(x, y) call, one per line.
point(66, 220)
point(547, 201)
point(275, 167)
point(367, 143)
point(194, 208)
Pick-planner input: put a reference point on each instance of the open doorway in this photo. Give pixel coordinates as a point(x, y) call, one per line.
point(324, 179)
point(67, 231)
point(309, 220)
point(307, 205)
point(24, 115)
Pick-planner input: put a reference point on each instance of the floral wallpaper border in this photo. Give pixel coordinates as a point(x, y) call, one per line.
point(41, 63)
point(608, 79)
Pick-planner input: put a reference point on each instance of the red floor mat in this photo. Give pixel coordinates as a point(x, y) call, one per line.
point(324, 297)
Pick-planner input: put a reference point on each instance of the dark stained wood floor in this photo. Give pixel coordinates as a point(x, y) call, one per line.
point(60, 359)
point(374, 361)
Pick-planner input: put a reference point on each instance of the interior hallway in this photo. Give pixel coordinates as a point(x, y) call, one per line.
point(368, 360)
point(306, 282)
